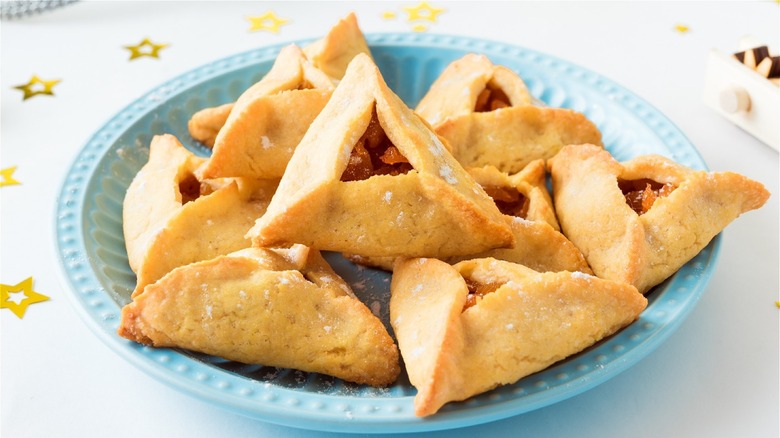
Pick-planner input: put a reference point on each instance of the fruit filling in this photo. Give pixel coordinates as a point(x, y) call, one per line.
point(305, 85)
point(374, 154)
point(509, 200)
point(641, 193)
point(477, 291)
point(491, 99)
point(192, 189)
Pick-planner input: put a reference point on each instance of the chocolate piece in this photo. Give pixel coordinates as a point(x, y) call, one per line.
point(752, 57)
point(769, 67)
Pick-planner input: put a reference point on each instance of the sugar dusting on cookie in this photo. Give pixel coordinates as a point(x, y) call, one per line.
point(446, 172)
point(582, 275)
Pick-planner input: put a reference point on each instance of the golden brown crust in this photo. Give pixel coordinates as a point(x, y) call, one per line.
point(415, 213)
point(507, 135)
point(206, 123)
point(643, 250)
point(291, 71)
point(259, 134)
point(530, 322)
point(455, 92)
point(165, 228)
point(539, 244)
point(145, 211)
point(510, 138)
point(333, 53)
point(426, 300)
point(269, 307)
point(328, 58)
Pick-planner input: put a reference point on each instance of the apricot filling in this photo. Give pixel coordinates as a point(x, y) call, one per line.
point(477, 291)
point(305, 85)
point(509, 200)
point(641, 193)
point(491, 99)
point(374, 154)
point(192, 189)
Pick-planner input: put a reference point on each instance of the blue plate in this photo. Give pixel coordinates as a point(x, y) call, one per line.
point(94, 263)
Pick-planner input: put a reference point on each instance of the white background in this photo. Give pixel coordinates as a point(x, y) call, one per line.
point(717, 376)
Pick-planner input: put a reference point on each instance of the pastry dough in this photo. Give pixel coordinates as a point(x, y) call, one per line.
point(510, 138)
point(523, 198)
point(487, 116)
point(469, 84)
point(282, 307)
point(333, 53)
point(330, 55)
point(643, 249)
point(171, 218)
point(524, 322)
point(269, 119)
point(206, 123)
point(332, 196)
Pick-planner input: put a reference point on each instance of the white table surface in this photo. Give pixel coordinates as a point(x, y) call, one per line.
point(716, 376)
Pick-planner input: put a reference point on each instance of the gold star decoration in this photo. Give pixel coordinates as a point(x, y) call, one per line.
point(681, 28)
point(6, 177)
point(18, 297)
point(268, 21)
point(145, 48)
point(37, 86)
point(423, 11)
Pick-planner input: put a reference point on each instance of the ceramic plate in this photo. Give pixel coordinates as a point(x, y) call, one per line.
point(94, 262)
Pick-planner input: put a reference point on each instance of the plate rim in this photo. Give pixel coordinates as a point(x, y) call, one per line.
point(69, 218)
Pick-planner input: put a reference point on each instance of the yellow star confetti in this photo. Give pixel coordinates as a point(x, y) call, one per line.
point(390, 15)
point(419, 28)
point(268, 21)
point(423, 11)
point(145, 48)
point(681, 28)
point(37, 86)
point(18, 297)
point(6, 177)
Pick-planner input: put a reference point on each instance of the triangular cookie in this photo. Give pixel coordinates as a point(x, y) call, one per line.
point(640, 221)
point(171, 218)
point(371, 178)
point(468, 328)
point(333, 53)
point(260, 134)
point(291, 71)
point(471, 84)
point(330, 55)
point(282, 307)
point(487, 116)
point(523, 198)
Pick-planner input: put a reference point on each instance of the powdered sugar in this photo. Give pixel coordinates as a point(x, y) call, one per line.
point(582, 275)
point(445, 172)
